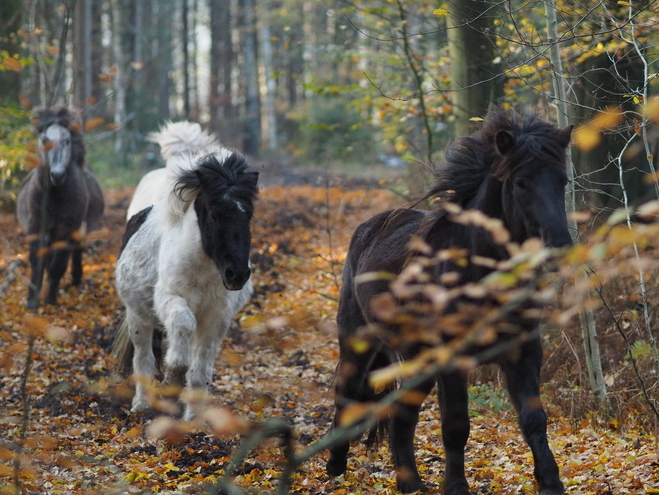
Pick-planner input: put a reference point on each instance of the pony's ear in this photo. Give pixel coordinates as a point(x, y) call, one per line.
point(565, 135)
point(252, 177)
point(505, 141)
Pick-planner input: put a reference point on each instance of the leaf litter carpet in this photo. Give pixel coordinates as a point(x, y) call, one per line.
point(82, 438)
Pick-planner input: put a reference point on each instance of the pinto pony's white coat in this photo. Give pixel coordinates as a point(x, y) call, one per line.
point(167, 280)
point(174, 138)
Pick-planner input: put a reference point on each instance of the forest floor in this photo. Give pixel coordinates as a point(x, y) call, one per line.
point(81, 437)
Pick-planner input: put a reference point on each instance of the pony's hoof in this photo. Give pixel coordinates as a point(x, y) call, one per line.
point(32, 304)
point(139, 406)
point(336, 466)
point(459, 487)
point(410, 486)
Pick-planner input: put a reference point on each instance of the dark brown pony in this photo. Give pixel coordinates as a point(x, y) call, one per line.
point(513, 170)
point(59, 201)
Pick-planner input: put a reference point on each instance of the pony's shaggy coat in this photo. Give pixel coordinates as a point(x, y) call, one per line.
point(173, 138)
point(184, 269)
point(512, 170)
point(59, 201)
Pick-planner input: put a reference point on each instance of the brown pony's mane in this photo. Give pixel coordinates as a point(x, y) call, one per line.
point(59, 114)
point(469, 160)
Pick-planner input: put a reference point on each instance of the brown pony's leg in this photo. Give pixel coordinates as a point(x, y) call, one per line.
point(523, 382)
point(38, 264)
point(401, 440)
point(350, 386)
point(76, 265)
point(56, 270)
point(454, 406)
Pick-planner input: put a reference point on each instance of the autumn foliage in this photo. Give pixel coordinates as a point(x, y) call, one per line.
point(66, 421)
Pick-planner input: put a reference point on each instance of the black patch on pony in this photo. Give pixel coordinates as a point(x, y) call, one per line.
point(133, 225)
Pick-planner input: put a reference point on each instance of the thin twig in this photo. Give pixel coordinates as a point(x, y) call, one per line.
point(646, 394)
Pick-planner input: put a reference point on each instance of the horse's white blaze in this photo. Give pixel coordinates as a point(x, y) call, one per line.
point(55, 148)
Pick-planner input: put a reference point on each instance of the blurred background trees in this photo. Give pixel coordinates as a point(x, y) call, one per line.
point(331, 80)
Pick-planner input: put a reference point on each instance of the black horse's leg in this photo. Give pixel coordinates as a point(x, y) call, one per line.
point(401, 439)
point(76, 265)
point(38, 262)
point(56, 270)
point(454, 406)
point(523, 382)
point(350, 386)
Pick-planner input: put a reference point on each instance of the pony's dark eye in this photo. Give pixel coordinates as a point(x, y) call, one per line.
point(520, 184)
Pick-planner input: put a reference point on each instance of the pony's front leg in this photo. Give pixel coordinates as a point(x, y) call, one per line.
point(56, 270)
point(38, 262)
point(205, 346)
point(180, 325)
point(76, 265)
point(523, 382)
point(454, 406)
point(144, 362)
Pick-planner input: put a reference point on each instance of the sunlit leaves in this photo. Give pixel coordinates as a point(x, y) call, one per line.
point(589, 135)
point(12, 64)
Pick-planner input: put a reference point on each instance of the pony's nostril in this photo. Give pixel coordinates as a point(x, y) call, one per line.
point(229, 275)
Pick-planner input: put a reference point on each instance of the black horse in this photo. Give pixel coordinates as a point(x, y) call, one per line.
point(59, 201)
point(513, 170)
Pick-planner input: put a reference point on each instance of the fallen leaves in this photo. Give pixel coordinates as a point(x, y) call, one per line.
point(82, 437)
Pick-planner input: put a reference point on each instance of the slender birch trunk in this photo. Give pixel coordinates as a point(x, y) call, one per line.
point(586, 317)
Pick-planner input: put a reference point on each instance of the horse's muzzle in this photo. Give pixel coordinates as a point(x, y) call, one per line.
point(57, 177)
point(234, 280)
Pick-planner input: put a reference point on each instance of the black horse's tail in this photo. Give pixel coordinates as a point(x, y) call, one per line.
point(123, 348)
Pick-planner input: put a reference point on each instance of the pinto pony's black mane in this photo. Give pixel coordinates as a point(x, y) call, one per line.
point(218, 179)
point(470, 159)
point(45, 117)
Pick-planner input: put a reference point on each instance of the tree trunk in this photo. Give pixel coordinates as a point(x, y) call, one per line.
point(10, 23)
point(252, 127)
point(81, 55)
point(119, 80)
point(474, 74)
point(194, 63)
point(270, 82)
point(97, 95)
point(164, 58)
point(185, 34)
point(586, 317)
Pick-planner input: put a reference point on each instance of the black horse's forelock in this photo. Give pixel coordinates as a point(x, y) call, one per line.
point(59, 114)
point(219, 178)
point(470, 159)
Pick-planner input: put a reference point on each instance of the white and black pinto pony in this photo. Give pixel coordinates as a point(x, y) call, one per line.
point(184, 270)
point(59, 202)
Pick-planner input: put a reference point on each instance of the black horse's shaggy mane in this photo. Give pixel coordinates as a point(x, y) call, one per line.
point(470, 159)
point(219, 178)
point(59, 114)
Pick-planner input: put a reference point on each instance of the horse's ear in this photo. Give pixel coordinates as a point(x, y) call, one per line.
point(565, 135)
point(505, 141)
point(252, 177)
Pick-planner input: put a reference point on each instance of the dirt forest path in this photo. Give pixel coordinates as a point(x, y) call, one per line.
point(82, 438)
